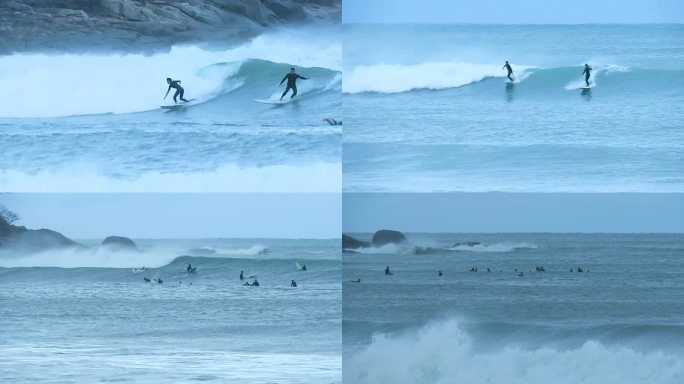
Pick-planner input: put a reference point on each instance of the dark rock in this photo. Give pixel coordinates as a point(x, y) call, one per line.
point(349, 242)
point(119, 242)
point(148, 25)
point(388, 236)
point(18, 238)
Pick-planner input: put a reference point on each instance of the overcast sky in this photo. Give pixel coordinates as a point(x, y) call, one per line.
point(515, 212)
point(175, 216)
point(513, 12)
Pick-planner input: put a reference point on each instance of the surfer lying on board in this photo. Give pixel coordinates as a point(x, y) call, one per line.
point(254, 284)
point(291, 83)
point(587, 73)
point(510, 71)
point(179, 90)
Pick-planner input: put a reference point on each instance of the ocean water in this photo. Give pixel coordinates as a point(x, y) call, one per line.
point(94, 123)
point(428, 103)
point(620, 321)
point(84, 317)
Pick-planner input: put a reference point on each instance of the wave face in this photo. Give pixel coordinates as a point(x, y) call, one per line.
point(618, 321)
point(93, 123)
point(467, 130)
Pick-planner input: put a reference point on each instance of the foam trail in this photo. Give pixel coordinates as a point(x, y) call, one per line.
point(314, 177)
point(395, 78)
point(442, 353)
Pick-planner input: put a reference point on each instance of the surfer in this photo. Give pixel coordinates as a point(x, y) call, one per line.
point(387, 271)
point(510, 71)
point(291, 83)
point(521, 274)
point(255, 283)
point(189, 268)
point(242, 275)
point(356, 281)
point(587, 73)
point(147, 279)
point(332, 121)
point(303, 267)
point(293, 283)
point(439, 273)
point(179, 90)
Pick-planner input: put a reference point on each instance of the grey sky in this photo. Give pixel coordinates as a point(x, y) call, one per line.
point(513, 12)
point(515, 212)
point(168, 215)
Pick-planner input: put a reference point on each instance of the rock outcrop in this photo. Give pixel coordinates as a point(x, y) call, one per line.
point(147, 25)
point(387, 236)
point(349, 242)
point(19, 238)
point(119, 242)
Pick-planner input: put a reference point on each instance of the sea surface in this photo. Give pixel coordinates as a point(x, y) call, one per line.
point(89, 316)
point(427, 108)
point(619, 321)
point(94, 123)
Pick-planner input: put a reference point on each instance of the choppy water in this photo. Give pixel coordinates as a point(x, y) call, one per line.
point(84, 123)
point(428, 103)
point(621, 320)
point(100, 323)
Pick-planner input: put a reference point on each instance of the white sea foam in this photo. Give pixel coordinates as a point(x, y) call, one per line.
point(442, 353)
point(395, 78)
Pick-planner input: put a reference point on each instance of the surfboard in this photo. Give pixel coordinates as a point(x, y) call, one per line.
point(274, 101)
point(299, 266)
point(585, 87)
point(179, 105)
point(510, 82)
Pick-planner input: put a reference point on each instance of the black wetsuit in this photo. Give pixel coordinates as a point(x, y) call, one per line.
point(587, 74)
point(510, 71)
point(179, 90)
point(291, 83)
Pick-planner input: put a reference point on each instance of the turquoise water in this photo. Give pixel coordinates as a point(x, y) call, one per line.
point(89, 317)
point(428, 103)
point(621, 320)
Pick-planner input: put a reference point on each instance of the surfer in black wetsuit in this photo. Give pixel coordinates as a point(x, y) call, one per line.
point(387, 271)
point(439, 273)
point(304, 267)
point(179, 90)
point(510, 71)
point(291, 83)
point(293, 283)
point(587, 73)
point(242, 275)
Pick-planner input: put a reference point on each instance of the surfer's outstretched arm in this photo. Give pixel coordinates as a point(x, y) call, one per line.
point(167, 92)
point(281, 81)
point(302, 77)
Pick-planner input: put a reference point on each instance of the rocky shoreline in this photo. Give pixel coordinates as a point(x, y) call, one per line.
point(148, 25)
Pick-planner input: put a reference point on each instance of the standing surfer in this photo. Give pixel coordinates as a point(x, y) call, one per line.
point(179, 90)
point(587, 73)
point(291, 83)
point(510, 71)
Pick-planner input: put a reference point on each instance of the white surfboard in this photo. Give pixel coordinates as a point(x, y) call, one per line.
point(274, 101)
point(179, 105)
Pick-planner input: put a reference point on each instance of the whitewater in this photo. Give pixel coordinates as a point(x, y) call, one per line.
point(618, 321)
point(93, 123)
point(430, 104)
point(89, 316)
